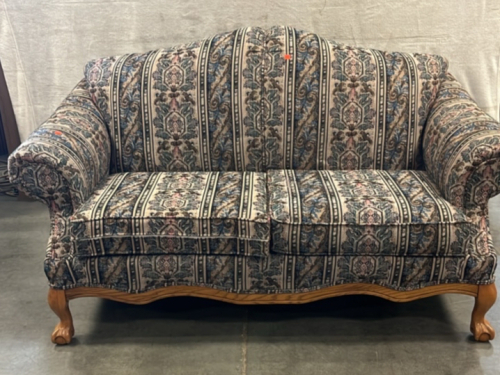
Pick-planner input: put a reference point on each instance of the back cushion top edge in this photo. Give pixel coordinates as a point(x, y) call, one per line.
point(254, 99)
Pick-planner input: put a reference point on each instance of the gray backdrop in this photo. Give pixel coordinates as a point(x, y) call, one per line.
point(44, 45)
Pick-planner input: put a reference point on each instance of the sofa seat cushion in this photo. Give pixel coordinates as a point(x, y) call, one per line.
point(174, 212)
point(366, 212)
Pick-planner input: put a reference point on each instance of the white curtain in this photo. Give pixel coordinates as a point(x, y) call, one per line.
point(44, 44)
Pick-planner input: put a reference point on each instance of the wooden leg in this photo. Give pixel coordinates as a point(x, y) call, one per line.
point(479, 326)
point(64, 330)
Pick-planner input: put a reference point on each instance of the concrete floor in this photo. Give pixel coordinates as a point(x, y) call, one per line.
point(348, 335)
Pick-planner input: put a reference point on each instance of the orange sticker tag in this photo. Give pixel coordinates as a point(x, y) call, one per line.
point(57, 132)
point(287, 57)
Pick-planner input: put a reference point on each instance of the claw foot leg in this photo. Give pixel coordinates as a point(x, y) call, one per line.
point(479, 326)
point(64, 330)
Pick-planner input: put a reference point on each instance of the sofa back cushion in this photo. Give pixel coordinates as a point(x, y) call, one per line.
point(331, 106)
point(255, 99)
point(194, 107)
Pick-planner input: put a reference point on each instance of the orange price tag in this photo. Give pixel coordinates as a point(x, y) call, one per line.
point(57, 132)
point(287, 57)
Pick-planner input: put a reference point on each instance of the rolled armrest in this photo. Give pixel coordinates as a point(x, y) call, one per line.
point(63, 161)
point(462, 148)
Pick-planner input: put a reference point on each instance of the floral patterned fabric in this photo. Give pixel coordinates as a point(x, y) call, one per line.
point(67, 157)
point(276, 273)
point(343, 133)
point(462, 148)
point(256, 99)
point(331, 106)
point(194, 107)
point(172, 212)
point(367, 212)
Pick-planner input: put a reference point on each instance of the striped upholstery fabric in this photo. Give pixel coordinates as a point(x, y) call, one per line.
point(331, 106)
point(367, 212)
point(67, 157)
point(276, 273)
point(194, 107)
point(462, 148)
point(256, 99)
point(174, 212)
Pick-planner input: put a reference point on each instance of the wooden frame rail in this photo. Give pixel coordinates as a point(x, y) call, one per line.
point(481, 329)
point(268, 299)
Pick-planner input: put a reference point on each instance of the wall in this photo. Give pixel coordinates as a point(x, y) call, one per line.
point(44, 45)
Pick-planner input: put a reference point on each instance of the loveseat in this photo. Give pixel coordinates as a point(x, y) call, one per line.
point(265, 166)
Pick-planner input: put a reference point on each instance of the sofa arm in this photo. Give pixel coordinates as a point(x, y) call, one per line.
point(462, 148)
point(66, 157)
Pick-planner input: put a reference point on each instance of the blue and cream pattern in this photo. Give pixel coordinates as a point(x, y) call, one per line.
point(366, 213)
point(462, 148)
point(190, 108)
point(332, 106)
point(265, 161)
point(171, 212)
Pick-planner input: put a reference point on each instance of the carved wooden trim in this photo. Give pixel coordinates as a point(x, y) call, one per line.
point(262, 299)
point(481, 329)
point(479, 326)
point(64, 331)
